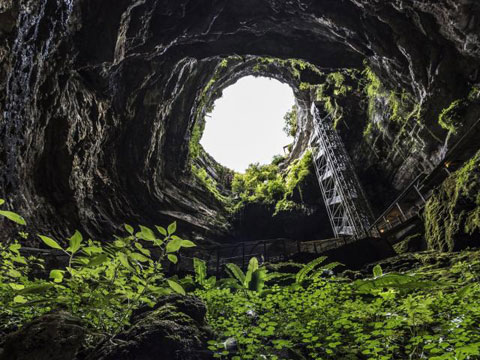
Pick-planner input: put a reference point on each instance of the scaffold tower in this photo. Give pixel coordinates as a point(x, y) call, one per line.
point(346, 203)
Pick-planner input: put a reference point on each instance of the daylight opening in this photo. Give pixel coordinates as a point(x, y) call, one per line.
point(247, 123)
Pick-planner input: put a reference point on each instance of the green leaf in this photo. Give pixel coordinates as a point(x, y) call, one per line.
point(172, 228)
point(14, 273)
point(19, 299)
point(129, 229)
point(377, 271)
point(50, 242)
point(257, 280)
point(146, 234)
point(144, 251)
point(139, 257)
point(172, 258)
point(75, 242)
point(2, 201)
point(396, 281)
point(174, 246)
point(161, 230)
point(200, 268)
point(188, 244)
point(252, 267)
point(176, 287)
point(36, 289)
point(17, 286)
point(57, 275)
point(13, 217)
point(124, 261)
point(98, 260)
point(236, 272)
point(303, 273)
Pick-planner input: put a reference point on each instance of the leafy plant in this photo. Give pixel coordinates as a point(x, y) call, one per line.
point(200, 268)
point(11, 215)
point(307, 272)
point(253, 279)
point(102, 283)
point(328, 318)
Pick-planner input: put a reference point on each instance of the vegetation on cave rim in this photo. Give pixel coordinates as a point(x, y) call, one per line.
point(267, 184)
point(454, 209)
point(291, 122)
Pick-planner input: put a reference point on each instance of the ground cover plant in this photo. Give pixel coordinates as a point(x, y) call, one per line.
point(280, 311)
point(431, 314)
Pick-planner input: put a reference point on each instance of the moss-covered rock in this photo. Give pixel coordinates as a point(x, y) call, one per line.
point(174, 329)
point(411, 243)
point(57, 336)
point(452, 214)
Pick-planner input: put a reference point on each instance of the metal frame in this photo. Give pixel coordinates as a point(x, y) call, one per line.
point(346, 203)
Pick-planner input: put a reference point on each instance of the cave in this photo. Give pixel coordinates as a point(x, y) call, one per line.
point(103, 105)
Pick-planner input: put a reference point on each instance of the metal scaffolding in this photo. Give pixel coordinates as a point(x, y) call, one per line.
point(346, 203)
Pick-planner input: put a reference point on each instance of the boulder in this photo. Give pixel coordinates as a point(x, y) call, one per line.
point(55, 336)
point(174, 329)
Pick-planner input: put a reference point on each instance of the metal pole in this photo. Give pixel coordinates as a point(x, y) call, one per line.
point(419, 193)
point(401, 211)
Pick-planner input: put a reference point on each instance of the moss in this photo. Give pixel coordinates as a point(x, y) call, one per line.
point(209, 183)
point(267, 184)
point(451, 117)
point(452, 213)
point(408, 245)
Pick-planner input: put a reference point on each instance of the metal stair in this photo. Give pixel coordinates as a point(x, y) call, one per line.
point(346, 204)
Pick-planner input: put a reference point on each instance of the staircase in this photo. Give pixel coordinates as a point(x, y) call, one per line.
point(346, 203)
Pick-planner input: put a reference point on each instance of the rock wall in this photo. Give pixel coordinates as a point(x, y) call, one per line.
point(98, 100)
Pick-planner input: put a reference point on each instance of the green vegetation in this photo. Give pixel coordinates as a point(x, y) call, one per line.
point(333, 92)
point(290, 312)
point(401, 106)
point(102, 283)
point(291, 122)
point(451, 117)
point(266, 184)
point(432, 314)
point(455, 208)
point(209, 183)
point(295, 66)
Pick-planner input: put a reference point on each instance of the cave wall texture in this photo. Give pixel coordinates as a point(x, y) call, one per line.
point(98, 98)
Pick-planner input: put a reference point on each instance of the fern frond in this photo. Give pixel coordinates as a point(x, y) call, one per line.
point(303, 273)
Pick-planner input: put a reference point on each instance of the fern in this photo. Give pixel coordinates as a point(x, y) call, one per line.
point(303, 273)
point(200, 268)
point(252, 267)
point(236, 273)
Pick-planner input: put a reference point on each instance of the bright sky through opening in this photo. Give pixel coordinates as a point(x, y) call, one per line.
point(247, 123)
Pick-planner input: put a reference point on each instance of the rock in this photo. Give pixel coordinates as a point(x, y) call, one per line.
point(97, 108)
point(56, 336)
point(174, 329)
point(452, 214)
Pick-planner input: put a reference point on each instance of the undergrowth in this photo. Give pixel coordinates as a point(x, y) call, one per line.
point(389, 316)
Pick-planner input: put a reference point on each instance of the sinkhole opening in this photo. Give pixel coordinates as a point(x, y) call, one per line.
point(247, 124)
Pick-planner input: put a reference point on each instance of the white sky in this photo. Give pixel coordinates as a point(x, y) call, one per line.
point(247, 123)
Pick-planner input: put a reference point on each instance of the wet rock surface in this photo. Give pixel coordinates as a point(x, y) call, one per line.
point(98, 99)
